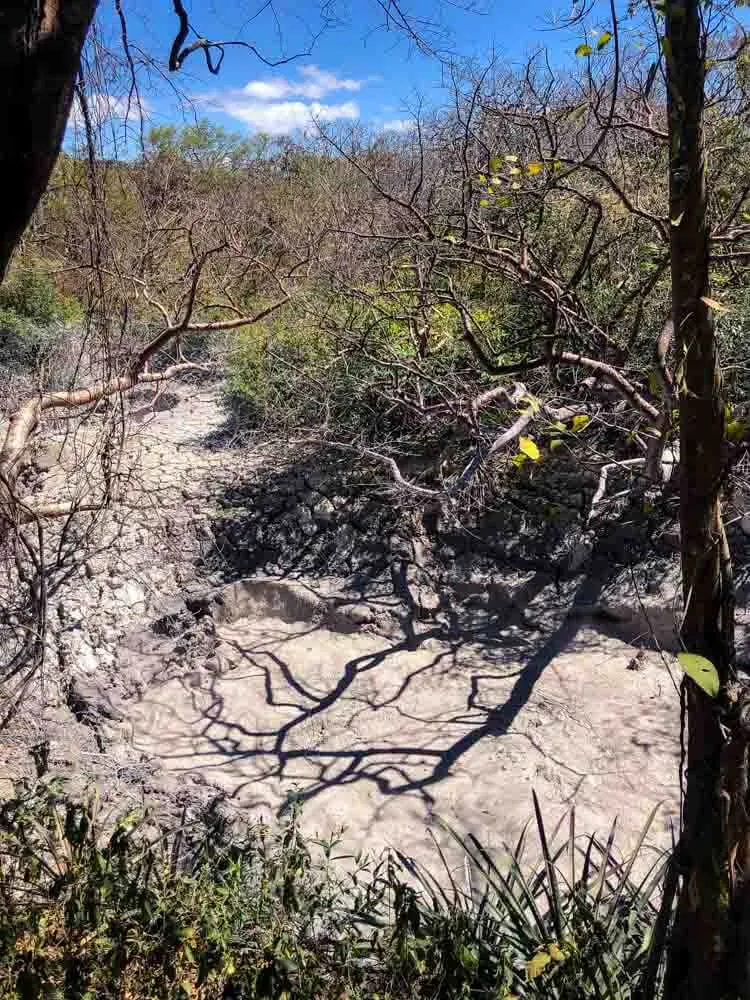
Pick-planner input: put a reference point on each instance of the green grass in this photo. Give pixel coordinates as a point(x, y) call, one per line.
point(92, 908)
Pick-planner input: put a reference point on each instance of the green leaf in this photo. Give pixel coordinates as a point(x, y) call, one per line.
point(584, 50)
point(604, 39)
point(496, 164)
point(558, 425)
point(536, 966)
point(736, 430)
point(579, 422)
point(503, 201)
point(482, 178)
point(518, 459)
point(702, 671)
point(528, 447)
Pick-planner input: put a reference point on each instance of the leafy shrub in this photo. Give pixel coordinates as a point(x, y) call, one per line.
point(277, 372)
point(91, 909)
point(32, 313)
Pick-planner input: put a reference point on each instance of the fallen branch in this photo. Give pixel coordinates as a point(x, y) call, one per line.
point(25, 421)
point(603, 475)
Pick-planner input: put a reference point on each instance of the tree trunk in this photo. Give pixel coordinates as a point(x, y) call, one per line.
point(40, 56)
point(703, 961)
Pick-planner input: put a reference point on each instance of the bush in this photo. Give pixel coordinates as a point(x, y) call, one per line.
point(32, 314)
point(95, 910)
point(277, 373)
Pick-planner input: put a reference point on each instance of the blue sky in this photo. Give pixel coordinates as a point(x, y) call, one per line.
point(356, 70)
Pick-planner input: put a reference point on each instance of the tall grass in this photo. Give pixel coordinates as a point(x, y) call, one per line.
point(92, 909)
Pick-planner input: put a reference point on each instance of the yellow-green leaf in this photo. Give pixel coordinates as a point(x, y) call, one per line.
point(536, 966)
point(604, 39)
point(496, 164)
point(702, 671)
point(518, 459)
point(515, 171)
point(557, 953)
point(584, 50)
point(528, 447)
point(483, 203)
point(511, 158)
point(736, 430)
point(555, 443)
point(534, 168)
point(533, 402)
point(580, 421)
point(713, 304)
point(558, 425)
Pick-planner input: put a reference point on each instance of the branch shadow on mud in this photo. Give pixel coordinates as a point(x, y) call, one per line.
point(213, 731)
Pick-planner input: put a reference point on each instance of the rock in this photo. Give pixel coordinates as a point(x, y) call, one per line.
point(579, 555)
point(130, 594)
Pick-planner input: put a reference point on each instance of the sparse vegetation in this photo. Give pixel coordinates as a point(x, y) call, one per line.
point(549, 262)
point(101, 906)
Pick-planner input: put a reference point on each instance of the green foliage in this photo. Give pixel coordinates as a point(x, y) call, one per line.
point(101, 909)
point(32, 312)
point(207, 144)
point(277, 372)
point(576, 924)
point(94, 912)
point(702, 671)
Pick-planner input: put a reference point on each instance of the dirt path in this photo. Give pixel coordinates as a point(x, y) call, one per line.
point(383, 740)
point(376, 734)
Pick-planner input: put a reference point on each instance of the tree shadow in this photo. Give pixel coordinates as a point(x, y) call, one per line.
point(276, 718)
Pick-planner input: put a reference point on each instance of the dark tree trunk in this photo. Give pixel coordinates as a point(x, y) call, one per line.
point(40, 56)
point(703, 960)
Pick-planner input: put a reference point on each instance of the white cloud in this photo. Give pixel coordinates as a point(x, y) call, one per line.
point(315, 83)
point(281, 117)
point(281, 104)
point(104, 107)
point(398, 125)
